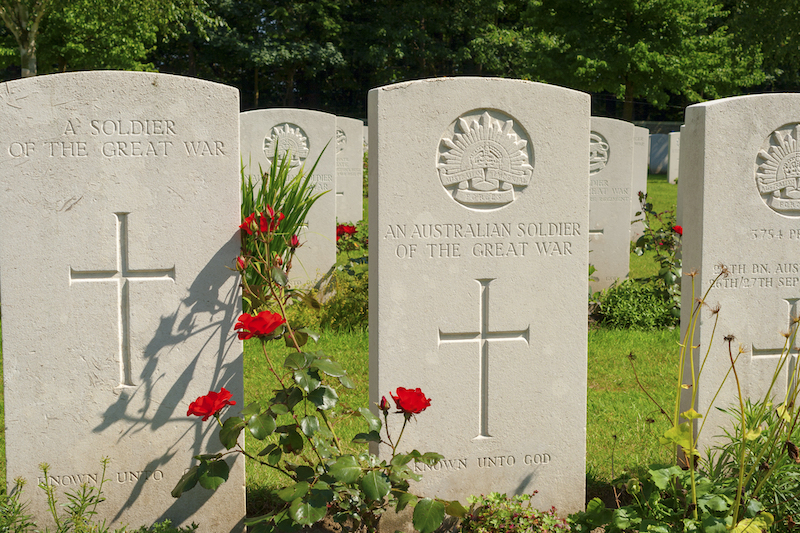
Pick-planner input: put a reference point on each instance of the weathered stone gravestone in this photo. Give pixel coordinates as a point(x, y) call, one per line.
point(674, 159)
point(610, 176)
point(478, 267)
point(641, 152)
point(349, 170)
point(741, 209)
point(119, 214)
point(304, 134)
point(659, 153)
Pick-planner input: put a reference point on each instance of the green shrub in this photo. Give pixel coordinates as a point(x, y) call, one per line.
point(346, 298)
point(633, 305)
point(498, 513)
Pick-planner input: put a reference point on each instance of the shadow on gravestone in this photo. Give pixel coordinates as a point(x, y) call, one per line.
point(171, 333)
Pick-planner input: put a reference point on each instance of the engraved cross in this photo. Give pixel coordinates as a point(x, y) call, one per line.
point(776, 352)
point(122, 276)
point(484, 337)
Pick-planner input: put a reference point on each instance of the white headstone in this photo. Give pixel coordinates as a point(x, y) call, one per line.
point(641, 153)
point(119, 216)
point(305, 134)
point(349, 170)
point(610, 179)
point(741, 209)
point(478, 262)
point(674, 156)
point(659, 153)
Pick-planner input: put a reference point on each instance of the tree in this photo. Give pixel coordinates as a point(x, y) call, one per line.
point(93, 34)
point(22, 18)
point(643, 49)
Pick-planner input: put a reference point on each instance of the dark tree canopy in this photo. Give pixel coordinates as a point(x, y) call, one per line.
point(327, 54)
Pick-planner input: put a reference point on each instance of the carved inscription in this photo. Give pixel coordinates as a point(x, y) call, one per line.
point(485, 159)
point(493, 239)
point(759, 276)
point(495, 461)
point(287, 138)
point(74, 480)
point(322, 182)
point(115, 138)
point(778, 170)
point(601, 191)
point(599, 152)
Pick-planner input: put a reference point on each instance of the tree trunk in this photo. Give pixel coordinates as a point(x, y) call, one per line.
point(627, 108)
point(24, 25)
point(27, 56)
point(255, 89)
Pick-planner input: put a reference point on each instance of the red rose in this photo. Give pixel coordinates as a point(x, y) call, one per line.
point(410, 402)
point(270, 223)
point(248, 225)
point(261, 325)
point(210, 404)
point(295, 241)
point(345, 229)
point(241, 263)
point(678, 230)
point(384, 405)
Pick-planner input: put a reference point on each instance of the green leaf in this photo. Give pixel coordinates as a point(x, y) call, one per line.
point(760, 523)
point(306, 513)
point(308, 381)
point(404, 499)
point(625, 518)
point(292, 442)
point(712, 524)
point(597, 514)
point(186, 482)
point(273, 453)
point(454, 508)
point(363, 438)
point(662, 477)
point(346, 382)
point(752, 434)
point(429, 458)
point(292, 492)
point(717, 503)
point(373, 421)
point(346, 469)
point(324, 397)
point(300, 337)
point(309, 425)
point(214, 474)
point(329, 367)
point(680, 435)
point(252, 409)
point(229, 433)
point(279, 409)
point(691, 414)
point(310, 333)
point(428, 515)
point(261, 426)
point(304, 472)
point(375, 485)
point(279, 276)
point(297, 361)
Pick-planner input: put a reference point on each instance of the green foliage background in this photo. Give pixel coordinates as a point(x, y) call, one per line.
point(642, 59)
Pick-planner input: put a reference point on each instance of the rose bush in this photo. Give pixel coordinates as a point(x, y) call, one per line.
point(295, 425)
